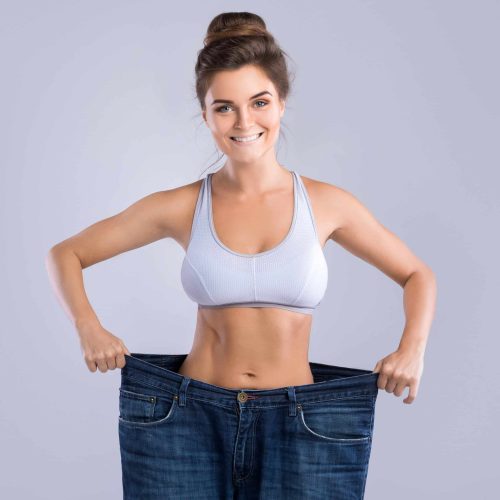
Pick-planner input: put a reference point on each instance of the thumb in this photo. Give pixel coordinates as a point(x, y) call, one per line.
point(377, 366)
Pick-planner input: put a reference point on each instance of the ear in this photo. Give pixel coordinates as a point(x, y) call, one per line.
point(283, 107)
point(204, 115)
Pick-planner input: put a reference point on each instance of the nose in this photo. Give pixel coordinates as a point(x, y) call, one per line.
point(245, 120)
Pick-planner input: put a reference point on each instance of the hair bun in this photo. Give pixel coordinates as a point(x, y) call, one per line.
point(235, 24)
point(237, 39)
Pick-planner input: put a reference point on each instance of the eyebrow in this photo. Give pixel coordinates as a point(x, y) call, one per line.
point(232, 102)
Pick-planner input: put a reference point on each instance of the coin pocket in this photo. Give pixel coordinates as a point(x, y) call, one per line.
point(140, 409)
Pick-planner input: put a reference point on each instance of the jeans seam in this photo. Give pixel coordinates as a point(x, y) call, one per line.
point(253, 450)
point(369, 450)
point(319, 401)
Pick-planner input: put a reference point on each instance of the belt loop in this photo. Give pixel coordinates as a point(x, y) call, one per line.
point(292, 407)
point(183, 389)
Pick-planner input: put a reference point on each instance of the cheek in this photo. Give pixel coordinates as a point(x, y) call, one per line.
point(273, 127)
point(271, 121)
point(216, 124)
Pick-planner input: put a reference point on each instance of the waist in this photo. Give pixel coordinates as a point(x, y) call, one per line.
point(251, 348)
point(160, 372)
point(233, 374)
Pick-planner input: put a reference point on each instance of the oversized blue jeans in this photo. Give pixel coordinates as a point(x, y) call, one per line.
point(181, 438)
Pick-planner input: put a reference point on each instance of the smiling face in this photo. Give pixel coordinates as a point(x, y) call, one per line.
point(246, 104)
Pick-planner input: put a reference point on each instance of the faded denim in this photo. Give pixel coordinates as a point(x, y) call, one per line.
point(181, 438)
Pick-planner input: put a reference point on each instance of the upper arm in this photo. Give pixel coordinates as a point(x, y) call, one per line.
point(149, 219)
point(359, 232)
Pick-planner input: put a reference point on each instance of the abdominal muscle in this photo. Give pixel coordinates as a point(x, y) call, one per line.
point(250, 348)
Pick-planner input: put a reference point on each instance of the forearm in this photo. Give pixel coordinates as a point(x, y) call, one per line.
point(66, 276)
point(419, 301)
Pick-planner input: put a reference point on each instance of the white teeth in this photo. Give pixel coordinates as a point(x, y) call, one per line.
point(246, 139)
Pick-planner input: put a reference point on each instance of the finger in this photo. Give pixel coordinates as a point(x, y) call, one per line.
point(120, 360)
point(111, 362)
point(400, 387)
point(91, 365)
point(102, 365)
point(391, 384)
point(412, 393)
point(382, 380)
point(377, 367)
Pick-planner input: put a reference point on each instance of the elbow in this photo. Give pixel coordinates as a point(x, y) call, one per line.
point(51, 256)
point(429, 272)
point(53, 251)
point(423, 271)
point(56, 251)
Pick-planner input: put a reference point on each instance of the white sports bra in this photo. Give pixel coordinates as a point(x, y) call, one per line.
point(293, 275)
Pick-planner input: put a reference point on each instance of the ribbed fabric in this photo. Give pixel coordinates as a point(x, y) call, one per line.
point(293, 275)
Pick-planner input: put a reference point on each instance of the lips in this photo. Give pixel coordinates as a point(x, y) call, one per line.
point(247, 142)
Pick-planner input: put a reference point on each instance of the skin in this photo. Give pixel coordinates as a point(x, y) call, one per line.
point(253, 348)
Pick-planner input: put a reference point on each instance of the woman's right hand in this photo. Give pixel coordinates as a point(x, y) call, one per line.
point(155, 216)
point(101, 349)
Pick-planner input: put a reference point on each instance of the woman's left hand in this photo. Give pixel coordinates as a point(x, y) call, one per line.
point(398, 370)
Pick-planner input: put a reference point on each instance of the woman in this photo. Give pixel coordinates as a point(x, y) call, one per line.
point(245, 413)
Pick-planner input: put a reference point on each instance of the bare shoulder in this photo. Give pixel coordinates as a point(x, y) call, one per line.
point(178, 205)
point(169, 208)
point(330, 204)
point(162, 214)
point(352, 225)
point(318, 187)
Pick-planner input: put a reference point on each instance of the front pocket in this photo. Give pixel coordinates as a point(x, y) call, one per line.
point(344, 420)
point(140, 409)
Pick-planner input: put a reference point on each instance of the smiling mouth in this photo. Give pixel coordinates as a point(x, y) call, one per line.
point(247, 141)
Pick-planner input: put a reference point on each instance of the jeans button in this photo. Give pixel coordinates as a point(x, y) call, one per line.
point(242, 397)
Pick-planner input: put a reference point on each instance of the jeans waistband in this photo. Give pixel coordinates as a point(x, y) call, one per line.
point(330, 382)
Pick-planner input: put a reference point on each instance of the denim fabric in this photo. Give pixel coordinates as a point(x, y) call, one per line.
point(181, 438)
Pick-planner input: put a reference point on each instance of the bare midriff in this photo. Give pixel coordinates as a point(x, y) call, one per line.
point(250, 348)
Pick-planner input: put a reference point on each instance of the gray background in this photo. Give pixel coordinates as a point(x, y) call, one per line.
point(396, 102)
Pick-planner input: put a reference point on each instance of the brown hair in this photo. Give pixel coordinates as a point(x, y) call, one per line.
point(235, 39)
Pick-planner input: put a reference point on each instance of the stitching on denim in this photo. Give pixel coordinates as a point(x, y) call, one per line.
point(264, 407)
point(336, 440)
point(368, 452)
point(149, 384)
point(235, 454)
point(136, 395)
point(167, 418)
point(319, 401)
point(253, 449)
point(194, 398)
point(282, 405)
point(210, 401)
